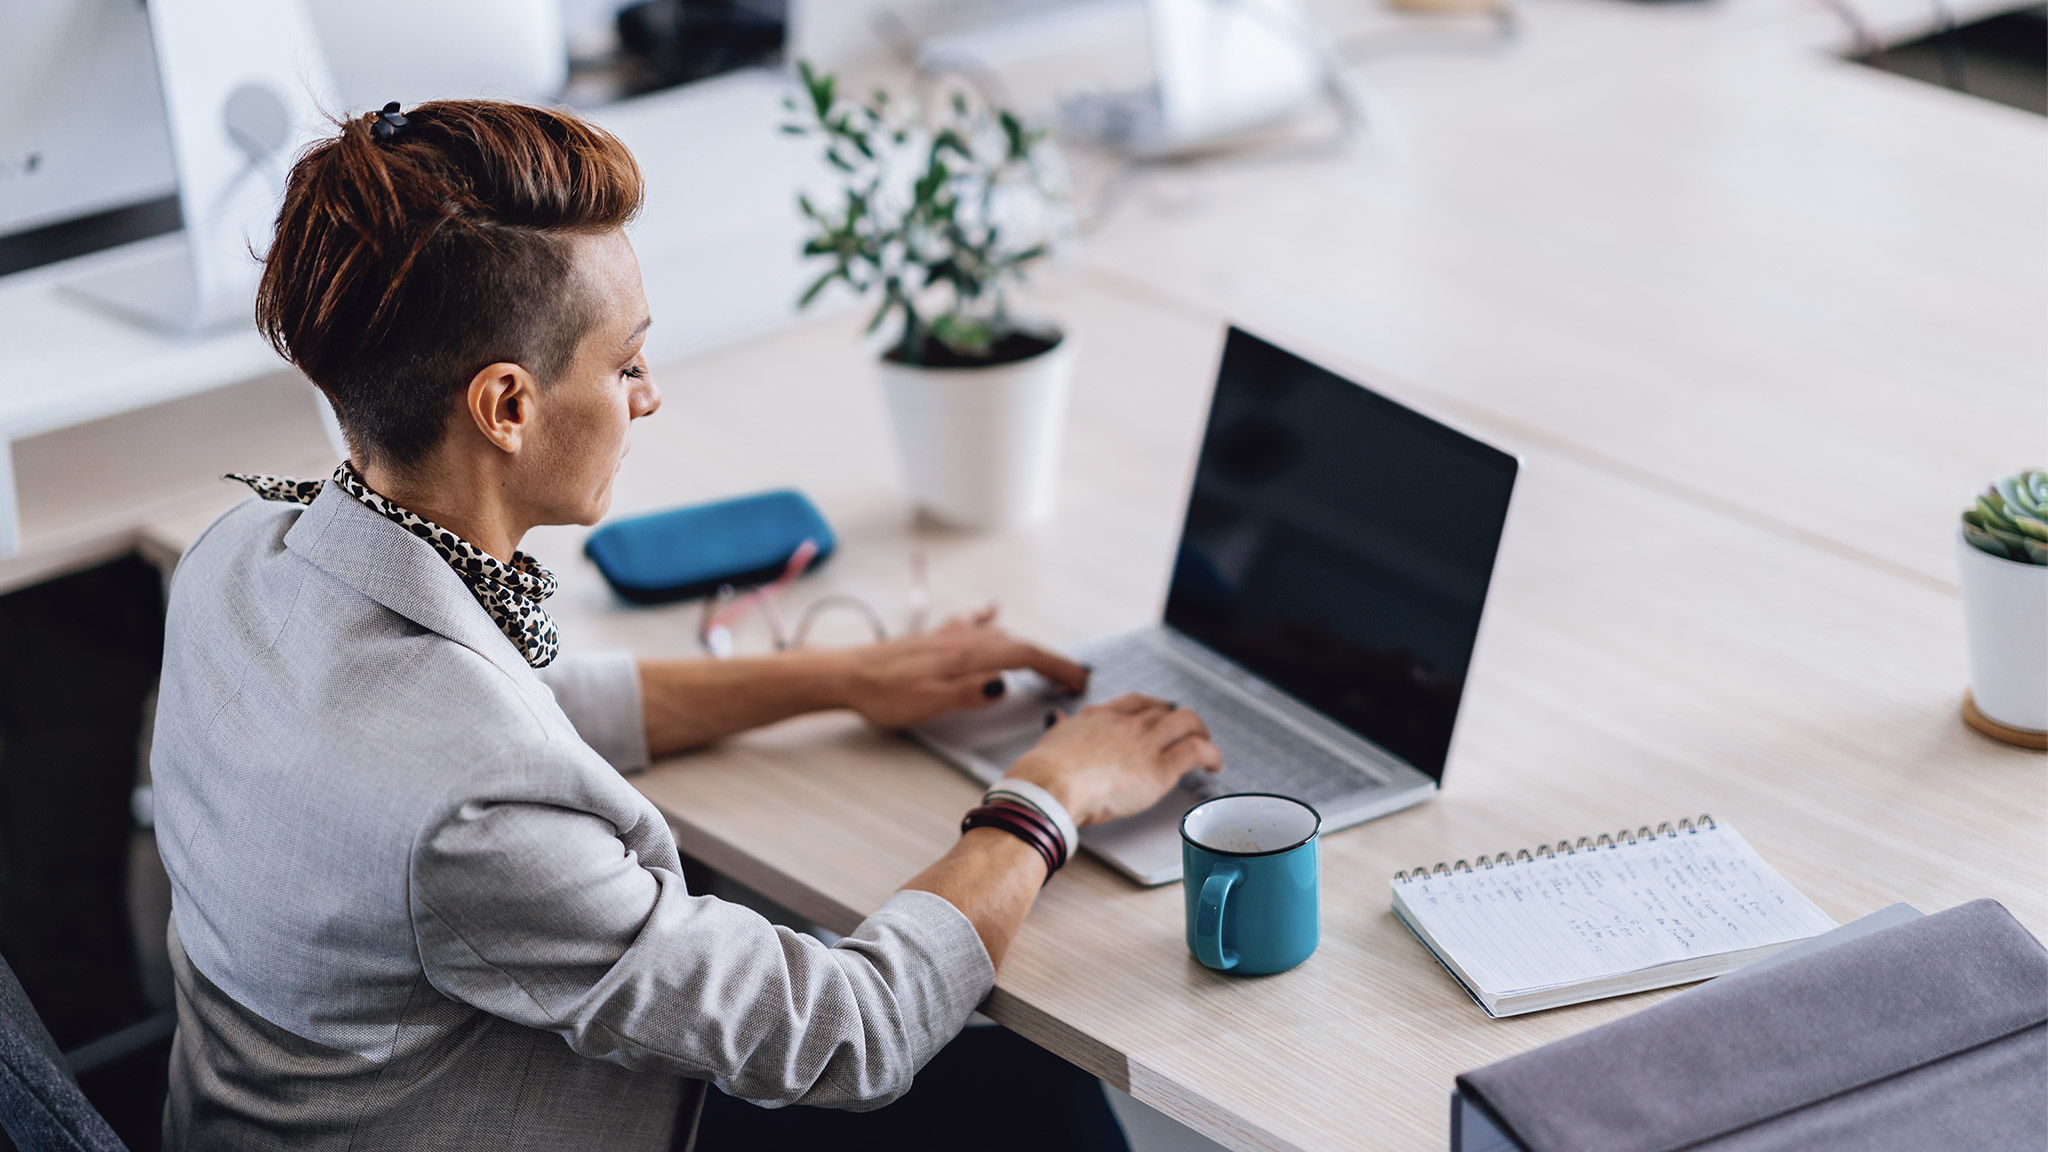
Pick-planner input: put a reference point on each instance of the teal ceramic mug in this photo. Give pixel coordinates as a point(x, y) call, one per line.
point(1248, 870)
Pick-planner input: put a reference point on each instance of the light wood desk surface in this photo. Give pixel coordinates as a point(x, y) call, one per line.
point(1642, 659)
point(1756, 321)
point(1682, 243)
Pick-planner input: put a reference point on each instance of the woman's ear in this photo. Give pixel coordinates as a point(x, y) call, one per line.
point(501, 400)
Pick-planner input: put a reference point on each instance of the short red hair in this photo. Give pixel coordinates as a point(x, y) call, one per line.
point(403, 266)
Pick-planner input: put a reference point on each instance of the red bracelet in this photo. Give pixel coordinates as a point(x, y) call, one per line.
point(1034, 832)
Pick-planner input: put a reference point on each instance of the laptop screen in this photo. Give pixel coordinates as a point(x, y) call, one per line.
point(1339, 545)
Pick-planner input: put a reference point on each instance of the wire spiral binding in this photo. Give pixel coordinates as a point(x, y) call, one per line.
point(1666, 830)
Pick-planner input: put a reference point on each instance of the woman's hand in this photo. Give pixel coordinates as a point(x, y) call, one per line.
point(1111, 760)
point(1118, 758)
point(906, 682)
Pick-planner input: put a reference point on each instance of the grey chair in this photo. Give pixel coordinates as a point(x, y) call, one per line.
point(41, 1107)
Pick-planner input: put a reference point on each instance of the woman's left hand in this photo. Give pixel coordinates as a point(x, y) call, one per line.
point(910, 681)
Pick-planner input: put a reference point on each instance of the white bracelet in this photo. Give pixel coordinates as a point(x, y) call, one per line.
point(1025, 792)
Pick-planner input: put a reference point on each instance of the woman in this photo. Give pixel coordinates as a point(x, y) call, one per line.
point(415, 904)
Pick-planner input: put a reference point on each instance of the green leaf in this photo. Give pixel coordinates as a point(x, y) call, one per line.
point(881, 314)
point(927, 186)
point(1985, 542)
point(967, 336)
point(2016, 500)
point(818, 87)
point(817, 286)
point(2030, 526)
point(2015, 544)
point(1992, 507)
point(2037, 552)
point(795, 130)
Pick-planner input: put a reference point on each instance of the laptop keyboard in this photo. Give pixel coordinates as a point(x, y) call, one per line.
point(1259, 753)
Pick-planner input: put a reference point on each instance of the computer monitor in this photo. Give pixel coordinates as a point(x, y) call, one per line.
point(85, 155)
point(1340, 545)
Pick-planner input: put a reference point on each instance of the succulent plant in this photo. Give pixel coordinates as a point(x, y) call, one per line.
point(2010, 518)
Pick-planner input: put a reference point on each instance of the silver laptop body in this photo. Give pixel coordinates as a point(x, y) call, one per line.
point(1270, 741)
point(1311, 545)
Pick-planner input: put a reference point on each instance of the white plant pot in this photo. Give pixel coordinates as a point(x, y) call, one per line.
point(981, 446)
point(2005, 612)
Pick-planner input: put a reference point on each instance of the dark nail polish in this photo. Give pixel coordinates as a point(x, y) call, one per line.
point(1173, 705)
point(993, 688)
point(1051, 718)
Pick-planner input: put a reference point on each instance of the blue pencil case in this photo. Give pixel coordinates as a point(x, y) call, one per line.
point(689, 552)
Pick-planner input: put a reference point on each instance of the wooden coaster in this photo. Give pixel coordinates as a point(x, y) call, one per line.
point(1975, 718)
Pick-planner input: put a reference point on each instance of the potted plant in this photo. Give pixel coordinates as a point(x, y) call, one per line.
point(938, 213)
point(2003, 554)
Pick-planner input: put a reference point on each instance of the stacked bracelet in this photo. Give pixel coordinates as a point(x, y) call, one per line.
point(1026, 824)
point(1030, 813)
point(1033, 796)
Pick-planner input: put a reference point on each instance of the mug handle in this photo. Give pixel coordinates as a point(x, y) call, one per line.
point(1209, 947)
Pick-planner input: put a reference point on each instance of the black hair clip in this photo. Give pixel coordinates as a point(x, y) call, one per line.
point(390, 123)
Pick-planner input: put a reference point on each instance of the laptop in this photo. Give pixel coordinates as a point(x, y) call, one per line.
point(1324, 604)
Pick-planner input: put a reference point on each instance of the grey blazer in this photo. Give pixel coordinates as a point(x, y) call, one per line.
point(415, 905)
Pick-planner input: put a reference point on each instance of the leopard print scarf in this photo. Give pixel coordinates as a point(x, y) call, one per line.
point(511, 593)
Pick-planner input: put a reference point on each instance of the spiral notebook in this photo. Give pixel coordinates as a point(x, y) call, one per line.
point(1603, 916)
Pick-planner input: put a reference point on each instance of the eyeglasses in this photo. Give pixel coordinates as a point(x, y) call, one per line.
point(728, 606)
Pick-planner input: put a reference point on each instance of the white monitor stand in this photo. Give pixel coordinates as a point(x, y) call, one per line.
point(1226, 71)
point(245, 88)
point(1231, 66)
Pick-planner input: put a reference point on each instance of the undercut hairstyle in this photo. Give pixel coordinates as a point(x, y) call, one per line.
point(403, 265)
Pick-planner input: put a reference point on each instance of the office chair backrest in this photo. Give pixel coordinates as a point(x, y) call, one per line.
point(40, 1104)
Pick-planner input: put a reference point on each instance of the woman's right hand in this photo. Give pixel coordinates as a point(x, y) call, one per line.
point(1117, 758)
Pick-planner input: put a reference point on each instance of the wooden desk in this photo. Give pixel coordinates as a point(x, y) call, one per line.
point(1642, 659)
point(1756, 319)
point(1682, 244)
